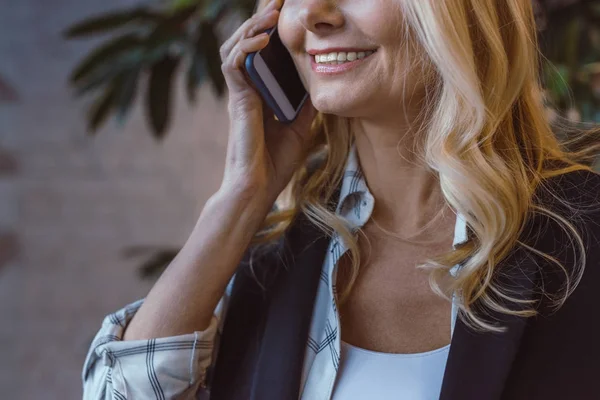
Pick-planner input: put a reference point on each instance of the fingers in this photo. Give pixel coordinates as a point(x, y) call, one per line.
point(249, 38)
point(234, 63)
point(263, 20)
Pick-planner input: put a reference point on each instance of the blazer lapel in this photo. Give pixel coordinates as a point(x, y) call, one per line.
point(279, 367)
point(479, 363)
point(281, 358)
point(261, 351)
point(262, 348)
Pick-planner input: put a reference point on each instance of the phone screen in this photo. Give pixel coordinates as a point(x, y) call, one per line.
point(281, 65)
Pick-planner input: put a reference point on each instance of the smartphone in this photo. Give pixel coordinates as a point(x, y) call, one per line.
point(274, 75)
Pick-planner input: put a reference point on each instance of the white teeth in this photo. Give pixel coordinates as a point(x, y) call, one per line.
point(341, 57)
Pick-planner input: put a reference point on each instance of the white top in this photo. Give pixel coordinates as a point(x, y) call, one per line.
point(366, 374)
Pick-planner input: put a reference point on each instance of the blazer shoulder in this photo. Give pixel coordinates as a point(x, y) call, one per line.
point(572, 198)
point(581, 187)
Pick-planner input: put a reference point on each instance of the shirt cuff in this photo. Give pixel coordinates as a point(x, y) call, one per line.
point(154, 368)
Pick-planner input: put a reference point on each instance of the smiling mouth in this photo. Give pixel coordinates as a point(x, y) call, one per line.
point(341, 57)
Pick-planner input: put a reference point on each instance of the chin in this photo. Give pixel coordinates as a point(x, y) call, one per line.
point(336, 105)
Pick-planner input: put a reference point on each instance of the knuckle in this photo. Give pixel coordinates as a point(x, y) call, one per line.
point(226, 68)
point(229, 67)
point(246, 25)
point(254, 20)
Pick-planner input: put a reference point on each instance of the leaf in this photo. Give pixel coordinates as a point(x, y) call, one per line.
point(195, 76)
point(164, 36)
point(110, 21)
point(96, 79)
point(247, 7)
point(182, 14)
point(209, 44)
point(105, 53)
point(573, 34)
point(156, 259)
point(108, 71)
point(102, 107)
point(153, 267)
point(214, 9)
point(178, 4)
point(159, 94)
point(126, 94)
point(557, 80)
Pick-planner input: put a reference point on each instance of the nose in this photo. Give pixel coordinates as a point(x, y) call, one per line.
point(320, 16)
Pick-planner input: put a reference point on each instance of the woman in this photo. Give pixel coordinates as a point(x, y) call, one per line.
point(432, 237)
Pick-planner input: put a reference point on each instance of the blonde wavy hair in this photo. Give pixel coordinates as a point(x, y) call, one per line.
point(485, 131)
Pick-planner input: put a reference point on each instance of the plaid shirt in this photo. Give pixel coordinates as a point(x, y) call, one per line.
point(175, 367)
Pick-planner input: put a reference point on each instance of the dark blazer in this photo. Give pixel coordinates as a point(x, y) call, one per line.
point(550, 356)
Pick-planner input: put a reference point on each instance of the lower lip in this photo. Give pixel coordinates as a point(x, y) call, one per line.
point(334, 69)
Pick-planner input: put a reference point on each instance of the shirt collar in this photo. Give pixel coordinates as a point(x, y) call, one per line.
point(356, 201)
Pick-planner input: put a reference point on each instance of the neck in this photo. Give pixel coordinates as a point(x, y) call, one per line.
point(408, 197)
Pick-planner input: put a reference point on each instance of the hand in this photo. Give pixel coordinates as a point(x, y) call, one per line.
point(262, 153)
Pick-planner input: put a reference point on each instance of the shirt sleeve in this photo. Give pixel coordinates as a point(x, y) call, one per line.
point(164, 368)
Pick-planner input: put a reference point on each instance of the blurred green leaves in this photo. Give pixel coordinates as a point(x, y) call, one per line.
point(159, 93)
point(151, 44)
point(111, 21)
point(570, 40)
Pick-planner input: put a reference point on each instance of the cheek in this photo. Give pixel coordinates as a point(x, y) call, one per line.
point(290, 31)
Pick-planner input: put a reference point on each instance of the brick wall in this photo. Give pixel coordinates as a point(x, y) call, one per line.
point(72, 202)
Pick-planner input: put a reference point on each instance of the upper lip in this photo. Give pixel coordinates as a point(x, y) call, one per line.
point(328, 50)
